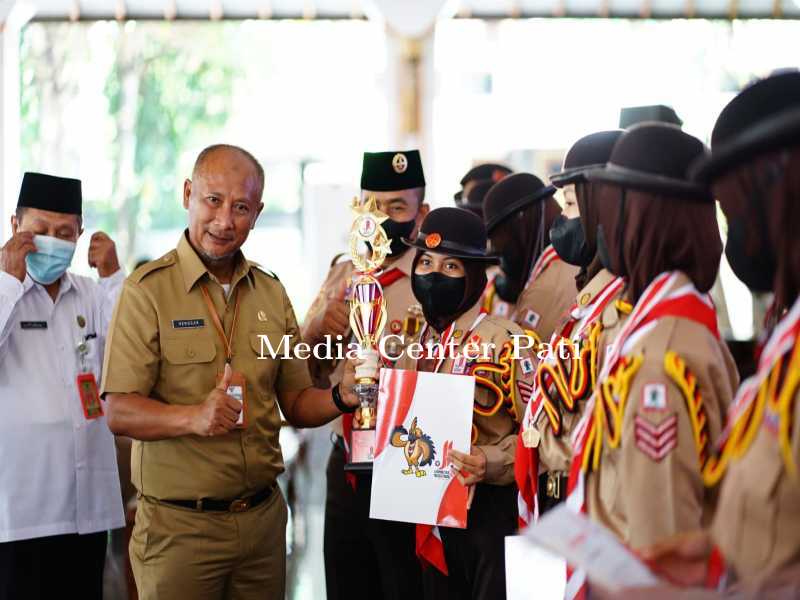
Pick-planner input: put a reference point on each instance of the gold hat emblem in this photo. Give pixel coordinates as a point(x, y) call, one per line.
point(262, 316)
point(81, 321)
point(399, 163)
point(432, 240)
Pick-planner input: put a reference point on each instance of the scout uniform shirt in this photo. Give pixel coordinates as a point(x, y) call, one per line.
point(59, 469)
point(544, 302)
point(502, 385)
point(491, 301)
point(757, 524)
point(163, 344)
point(555, 446)
point(657, 414)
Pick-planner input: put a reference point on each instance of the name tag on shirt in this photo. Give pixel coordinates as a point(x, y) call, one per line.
point(33, 324)
point(188, 323)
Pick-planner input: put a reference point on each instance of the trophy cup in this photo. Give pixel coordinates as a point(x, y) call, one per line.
point(367, 321)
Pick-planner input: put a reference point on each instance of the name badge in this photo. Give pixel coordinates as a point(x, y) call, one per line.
point(33, 324)
point(188, 323)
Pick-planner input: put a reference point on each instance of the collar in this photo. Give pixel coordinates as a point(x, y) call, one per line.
point(193, 269)
point(594, 287)
point(404, 263)
point(465, 321)
point(67, 284)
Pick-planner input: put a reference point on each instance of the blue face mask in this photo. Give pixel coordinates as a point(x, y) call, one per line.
point(51, 259)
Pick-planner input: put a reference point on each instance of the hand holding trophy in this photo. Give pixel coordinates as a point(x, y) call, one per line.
point(367, 320)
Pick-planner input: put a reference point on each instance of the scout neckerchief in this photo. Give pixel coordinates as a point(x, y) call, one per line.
point(386, 279)
point(429, 545)
point(779, 358)
point(658, 301)
point(237, 387)
point(526, 464)
point(548, 256)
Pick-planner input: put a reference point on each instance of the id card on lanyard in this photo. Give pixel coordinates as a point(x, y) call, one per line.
point(86, 381)
point(237, 387)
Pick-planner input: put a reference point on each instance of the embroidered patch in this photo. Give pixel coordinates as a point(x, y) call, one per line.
point(526, 364)
point(525, 391)
point(532, 318)
point(459, 365)
point(656, 441)
point(654, 397)
point(188, 323)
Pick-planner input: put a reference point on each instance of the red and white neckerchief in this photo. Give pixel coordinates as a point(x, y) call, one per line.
point(781, 341)
point(526, 464)
point(548, 256)
point(385, 279)
point(429, 546)
point(659, 300)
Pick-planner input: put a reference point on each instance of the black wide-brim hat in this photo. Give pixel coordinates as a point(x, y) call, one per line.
point(512, 194)
point(761, 118)
point(493, 171)
point(589, 152)
point(655, 157)
point(454, 232)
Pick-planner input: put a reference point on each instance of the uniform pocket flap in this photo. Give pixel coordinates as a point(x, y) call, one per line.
point(269, 343)
point(190, 351)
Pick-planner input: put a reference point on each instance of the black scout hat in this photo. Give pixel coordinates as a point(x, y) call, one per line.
point(590, 151)
point(493, 172)
point(477, 195)
point(763, 117)
point(512, 194)
point(392, 171)
point(455, 232)
point(654, 157)
point(633, 115)
point(47, 192)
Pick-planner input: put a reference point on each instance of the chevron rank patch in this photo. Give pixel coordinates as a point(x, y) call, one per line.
point(525, 391)
point(656, 441)
point(532, 318)
point(654, 397)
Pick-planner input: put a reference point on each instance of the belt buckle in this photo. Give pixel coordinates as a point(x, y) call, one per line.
point(239, 505)
point(553, 485)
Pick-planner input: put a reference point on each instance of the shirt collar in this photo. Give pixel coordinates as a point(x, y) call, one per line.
point(193, 269)
point(404, 263)
point(67, 284)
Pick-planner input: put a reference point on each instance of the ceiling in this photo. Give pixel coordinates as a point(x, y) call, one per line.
point(347, 9)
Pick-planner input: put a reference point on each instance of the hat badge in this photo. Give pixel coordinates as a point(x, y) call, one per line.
point(432, 240)
point(399, 163)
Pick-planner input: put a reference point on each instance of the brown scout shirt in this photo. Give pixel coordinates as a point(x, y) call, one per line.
point(555, 451)
point(644, 498)
point(495, 435)
point(757, 524)
point(543, 304)
point(162, 344)
point(490, 301)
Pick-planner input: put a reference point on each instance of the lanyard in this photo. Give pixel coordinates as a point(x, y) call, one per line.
point(227, 341)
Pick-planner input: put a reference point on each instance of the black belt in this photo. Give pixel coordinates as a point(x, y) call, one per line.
point(237, 505)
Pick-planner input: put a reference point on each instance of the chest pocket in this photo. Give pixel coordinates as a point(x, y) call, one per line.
point(262, 346)
point(187, 375)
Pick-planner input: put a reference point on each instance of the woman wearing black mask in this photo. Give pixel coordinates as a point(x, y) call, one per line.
point(449, 275)
point(544, 451)
point(519, 211)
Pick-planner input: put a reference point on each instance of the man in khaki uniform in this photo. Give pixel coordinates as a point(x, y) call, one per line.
point(188, 374)
point(387, 566)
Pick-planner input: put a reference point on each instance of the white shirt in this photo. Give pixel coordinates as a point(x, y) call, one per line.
point(58, 470)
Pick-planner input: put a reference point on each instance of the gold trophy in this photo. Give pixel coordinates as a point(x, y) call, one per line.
point(367, 321)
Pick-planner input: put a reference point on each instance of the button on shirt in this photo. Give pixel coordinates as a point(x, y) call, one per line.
point(59, 472)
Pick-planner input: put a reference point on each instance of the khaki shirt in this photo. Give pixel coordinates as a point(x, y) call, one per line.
point(163, 344)
point(555, 451)
point(757, 525)
point(543, 304)
point(491, 301)
point(495, 435)
point(643, 491)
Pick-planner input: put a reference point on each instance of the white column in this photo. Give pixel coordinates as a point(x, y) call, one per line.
point(13, 16)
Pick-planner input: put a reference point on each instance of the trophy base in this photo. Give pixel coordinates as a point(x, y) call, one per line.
point(362, 450)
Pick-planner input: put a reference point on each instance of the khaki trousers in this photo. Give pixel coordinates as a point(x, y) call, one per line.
point(180, 554)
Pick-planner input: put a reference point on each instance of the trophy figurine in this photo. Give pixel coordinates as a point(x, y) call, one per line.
point(367, 321)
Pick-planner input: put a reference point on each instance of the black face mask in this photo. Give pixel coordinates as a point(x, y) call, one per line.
point(395, 231)
point(568, 239)
point(440, 296)
point(756, 272)
point(506, 283)
point(602, 249)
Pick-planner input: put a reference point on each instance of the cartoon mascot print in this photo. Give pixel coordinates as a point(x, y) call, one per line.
point(417, 447)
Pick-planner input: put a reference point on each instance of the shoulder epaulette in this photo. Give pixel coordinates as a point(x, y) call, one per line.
point(255, 265)
point(169, 259)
